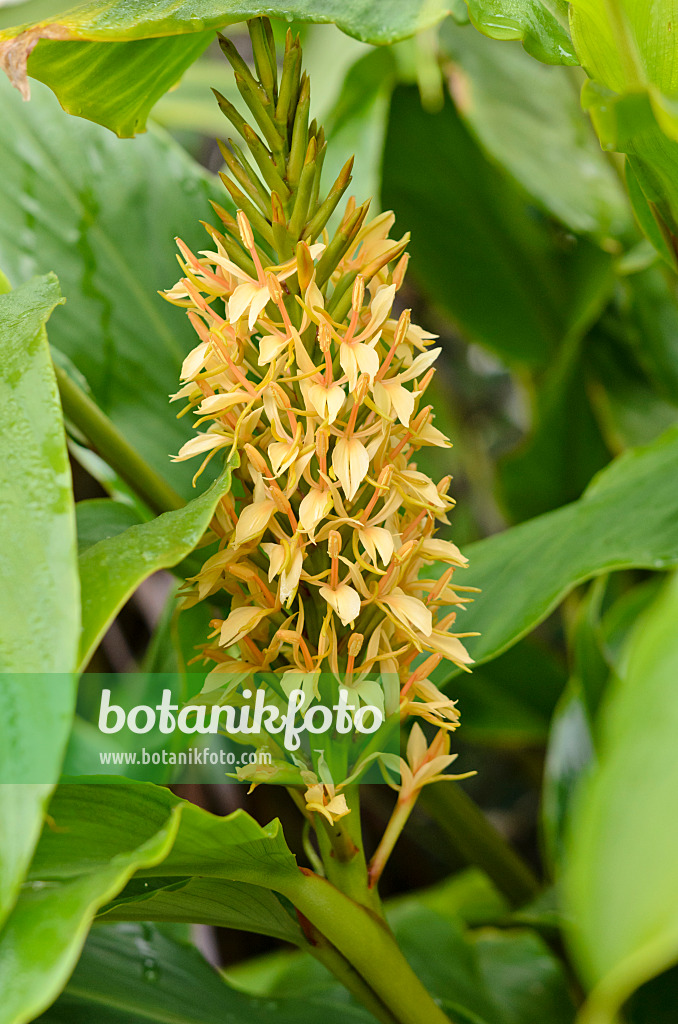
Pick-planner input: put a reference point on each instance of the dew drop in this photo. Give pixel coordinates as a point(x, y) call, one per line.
point(150, 970)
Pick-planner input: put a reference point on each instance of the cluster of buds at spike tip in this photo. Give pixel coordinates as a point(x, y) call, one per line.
point(306, 372)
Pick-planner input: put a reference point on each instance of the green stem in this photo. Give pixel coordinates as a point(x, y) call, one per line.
point(396, 824)
point(367, 943)
point(343, 855)
point(107, 440)
point(344, 972)
point(478, 842)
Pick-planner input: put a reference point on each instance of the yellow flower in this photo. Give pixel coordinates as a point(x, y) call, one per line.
point(424, 763)
point(321, 799)
point(350, 461)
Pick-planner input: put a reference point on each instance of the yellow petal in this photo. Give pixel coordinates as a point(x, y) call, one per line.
point(377, 538)
point(239, 623)
point(442, 551)
point(200, 443)
point(350, 462)
point(367, 360)
point(416, 747)
point(282, 454)
point(217, 403)
point(289, 581)
point(253, 520)
point(270, 348)
point(450, 646)
point(410, 611)
point(314, 507)
point(276, 559)
point(344, 600)
point(194, 361)
point(240, 301)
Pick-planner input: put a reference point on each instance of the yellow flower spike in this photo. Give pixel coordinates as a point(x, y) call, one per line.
point(303, 369)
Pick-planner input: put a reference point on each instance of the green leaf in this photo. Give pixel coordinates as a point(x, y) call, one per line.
point(112, 569)
point(540, 24)
point(623, 839)
point(39, 608)
point(627, 46)
point(110, 62)
point(477, 247)
point(628, 50)
point(100, 519)
point(115, 84)
point(107, 220)
point(626, 519)
point(39, 615)
point(135, 972)
point(93, 822)
point(43, 936)
point(94, 826)
point(528, 118)
point(212, 901)
point(31, 750)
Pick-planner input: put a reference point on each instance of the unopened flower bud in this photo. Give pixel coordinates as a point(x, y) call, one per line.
point(245, 230)
point(274, 288)
point(256, 459)
point(358, 293)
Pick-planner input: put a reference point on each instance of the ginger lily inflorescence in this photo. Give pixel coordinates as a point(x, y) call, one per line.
point(305, 370)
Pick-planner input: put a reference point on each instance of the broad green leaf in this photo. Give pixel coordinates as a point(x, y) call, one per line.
point(505, 977)
point(477, 247)
point(135, 972)
point(100, 519)
point(31, 750)
point(95, 821)
point(628, 49)
point(623, 837)
point(628, 46)
point(105, 212)
point(528, 118)
point(110, 62)
point(43, 936)
point(39, 607)
point(213, 901)
point(626, 519)
point(540, 24)
point(112, 569)
point(115, 84)
point(39, 615)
